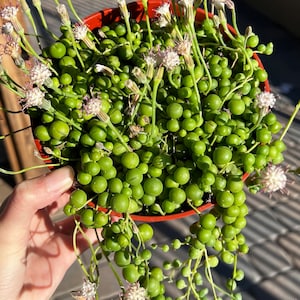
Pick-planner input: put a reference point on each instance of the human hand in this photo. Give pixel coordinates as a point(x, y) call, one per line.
point(35, 253)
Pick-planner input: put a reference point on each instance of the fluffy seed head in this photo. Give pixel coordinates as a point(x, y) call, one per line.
point(266, 100)
point(39, 74)
point(87, 292)
point(80, 32)
point(92, 106)
point(183, 47)
point(9, 13)
point(64, 16)
point(7, 28)
point(164, 15)
point(272, 179)
point(33, 97)
point(135, 292)
point(169, 59)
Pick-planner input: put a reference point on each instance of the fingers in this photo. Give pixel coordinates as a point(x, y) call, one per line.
point(29, 197)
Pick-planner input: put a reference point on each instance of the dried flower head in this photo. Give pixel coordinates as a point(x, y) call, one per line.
point(220, 4)
point(265, 101)
point(92, 106)
point(7, 28)
point(9, 13)
point(151, 62)
point(164, 15)
point(139, 74)
point(273, 178)
point(150, 59)
point(134, 292)
point(103, 69)
point(188, 10)
point(64, 16)
point(33, 97)
point(186, 3)
point(123, 8)
point(135, 130)
point(39, 74)
point(80, 32)
point(87, 292)
point(169, 59)
point(132, 86)
point(12, 48)
point(183, 47)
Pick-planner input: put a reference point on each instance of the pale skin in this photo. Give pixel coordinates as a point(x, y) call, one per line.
point(35, 253)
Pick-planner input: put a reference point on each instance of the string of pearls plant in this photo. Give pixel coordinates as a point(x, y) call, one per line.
point(157, 116)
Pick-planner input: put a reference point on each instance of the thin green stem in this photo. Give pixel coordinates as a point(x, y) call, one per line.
point(71, 6)
point(38, 6)
point(205, 9)
point(141, 97)
point(172, 82)
point(63, 118)
point(209, 274)
point(13, 89)
point(234, 22)
point(8, 172)
point(293, 116)
point(198, 55)
point(190, 279)
point(149, 29)
point(118, 278)
point(196, 104)
point(156, 82)
point(105, 118)
point(253, 147)
point(76, 251)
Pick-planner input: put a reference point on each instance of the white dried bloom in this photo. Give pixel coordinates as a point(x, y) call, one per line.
point(186, 3)
point(188, 10)
point(123, 8)
point(103, 69)
point(150, 59)
point(265, 101)
point(135, 292)
point(139, 74)
point(87, 292)
point(33, 97)
point(135, 130)
point(169, 59)
point(92, 106)
point(272, 179)
point(220, 4)
point(80, 32)
point(164, 14)
point(39, 74)
point(164, 9)
point(7, 28)
point(64, 16)
point(183, 47)
point(12, 48)
point(162, 22)
point(9, 13)
point(101, 146)
point(121, 2)
point(131, 85)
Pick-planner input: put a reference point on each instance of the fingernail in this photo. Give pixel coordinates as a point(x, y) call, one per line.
point(60, 180)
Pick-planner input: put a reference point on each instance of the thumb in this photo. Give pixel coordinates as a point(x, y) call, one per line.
point(31, 195)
